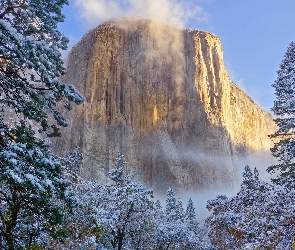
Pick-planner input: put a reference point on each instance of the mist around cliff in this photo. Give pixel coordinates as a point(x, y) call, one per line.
point(217, 184)
point(260, 160)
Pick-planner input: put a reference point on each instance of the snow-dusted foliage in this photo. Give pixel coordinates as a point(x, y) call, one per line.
point(32, 185)
point(284, 109)
point(32, 190)
point(260, 216)
point(111, 216)
point(126, 208)
point(177, 229)
point(123, 215)
point(30, 59)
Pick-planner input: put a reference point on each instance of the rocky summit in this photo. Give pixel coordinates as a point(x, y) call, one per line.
point(162, 96)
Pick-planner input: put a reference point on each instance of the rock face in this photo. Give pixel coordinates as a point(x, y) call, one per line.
point(163, 97)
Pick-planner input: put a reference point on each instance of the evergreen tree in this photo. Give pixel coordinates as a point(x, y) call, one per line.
point(117, 215)
point(193, 235)
point(171, 205)
point(190, 216)
point(30, 60)
point(284, 109)
point(176, 229)
point(32, 190)
point(130, 208)
point(180, 210)
point(31, 178)
point(260, 216)
point(122, 215)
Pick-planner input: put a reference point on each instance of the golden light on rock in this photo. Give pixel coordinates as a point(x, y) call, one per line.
point(164, 98)
point(155, 115)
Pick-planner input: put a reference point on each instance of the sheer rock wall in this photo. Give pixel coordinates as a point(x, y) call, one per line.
point(163, 97)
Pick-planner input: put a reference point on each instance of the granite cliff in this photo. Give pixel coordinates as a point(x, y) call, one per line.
point(163, 97)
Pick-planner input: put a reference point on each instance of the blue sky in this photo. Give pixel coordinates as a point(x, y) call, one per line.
point(254, 33)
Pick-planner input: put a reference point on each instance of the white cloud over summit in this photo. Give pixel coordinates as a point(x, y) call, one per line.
point(173, 12)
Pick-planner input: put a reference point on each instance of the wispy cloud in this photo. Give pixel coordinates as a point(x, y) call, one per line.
point(98, 10)
point(174, 12)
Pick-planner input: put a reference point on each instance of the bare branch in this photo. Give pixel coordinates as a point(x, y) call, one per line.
point(10, 9)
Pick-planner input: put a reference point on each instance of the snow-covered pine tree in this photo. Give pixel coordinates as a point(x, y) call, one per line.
point(175, 230)
point(32, 184)
point(171, 205)
point(193, 231)
point(284, 109)
point(128, 207)
point(32, 190)
point(190, 217)
point(122, 215)
point(260, 216)
point(167, 228)
point(116, 215)
point(30, 60)
point(180, 210)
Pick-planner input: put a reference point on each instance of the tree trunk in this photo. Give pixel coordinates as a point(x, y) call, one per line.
point(120, 239)
point(10, 241)
point(10, 224)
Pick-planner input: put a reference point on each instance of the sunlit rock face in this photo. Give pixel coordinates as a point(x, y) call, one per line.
point(163, 97)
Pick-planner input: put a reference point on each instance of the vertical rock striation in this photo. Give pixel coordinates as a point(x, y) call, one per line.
point(164, 98)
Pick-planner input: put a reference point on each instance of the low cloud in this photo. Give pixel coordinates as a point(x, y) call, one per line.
point(173, 12)
point(98, 10)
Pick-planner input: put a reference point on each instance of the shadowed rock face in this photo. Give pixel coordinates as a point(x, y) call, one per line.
point(163, 97)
